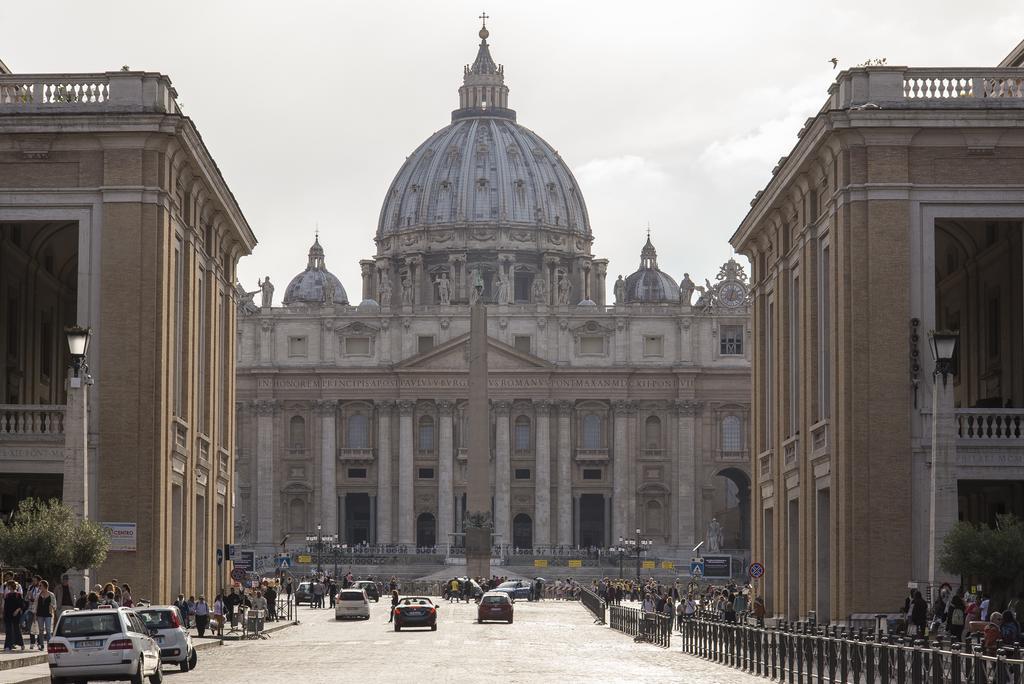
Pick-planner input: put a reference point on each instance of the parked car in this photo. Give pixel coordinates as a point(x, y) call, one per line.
point(415, 611)
point(171, 635)
point(516, 589)
point(351, 603)
point(304, 594)
point(495, 605)
point(107, 643)
point(371, 589)
point(471, 587)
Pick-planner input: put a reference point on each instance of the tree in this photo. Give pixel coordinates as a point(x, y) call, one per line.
point(993, 554)
point(45, 538)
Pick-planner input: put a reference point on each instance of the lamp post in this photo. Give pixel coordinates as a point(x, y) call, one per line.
point(318, 542)
point(943, 509)
point(639, 546)
point(78, 347)
point(75, 489)
point(621, 550)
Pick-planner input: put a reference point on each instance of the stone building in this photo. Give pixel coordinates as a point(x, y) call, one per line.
point(114, 216)
point(605, 417)
point(897, 213)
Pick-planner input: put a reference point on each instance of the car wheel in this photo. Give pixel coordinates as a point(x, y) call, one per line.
point(184, 665)
point(510, 621)
point(137, 677)
point(397, 628)
point(158, 675)
point(193, 657)
point(433, 628)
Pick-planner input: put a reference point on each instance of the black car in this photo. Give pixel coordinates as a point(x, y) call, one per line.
point(415, 611)
point(372, 592)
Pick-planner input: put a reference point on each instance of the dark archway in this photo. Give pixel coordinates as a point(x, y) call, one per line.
point(522, 531)
point(426, 530)
point(592, 531)
point(357, 518)
point(742, 482)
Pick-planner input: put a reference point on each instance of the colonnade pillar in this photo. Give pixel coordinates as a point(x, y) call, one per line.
point(542, 476)
point(445, 500)
point(265, 504)
point(685, 485)
point(620, 470)
point(406, 528)
point(564, 484)
point(502, 467)
point(326, 408)
point(384, 527)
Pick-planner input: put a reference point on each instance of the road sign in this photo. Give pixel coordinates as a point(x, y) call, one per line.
point(246, 560)
point(540, 563)
point(575, 563)
point(305, 558)
point(284, 562)
point(697, 567)
point(718, 566)
point(238, 574)
point(667, 565)
point(756, 570)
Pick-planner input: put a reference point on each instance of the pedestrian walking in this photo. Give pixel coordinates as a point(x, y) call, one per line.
point(126, 599)
point(957, 617)
point(14, 607)
point(45, 609)
point(394, 604)
point(202, 616)
point(218, 616)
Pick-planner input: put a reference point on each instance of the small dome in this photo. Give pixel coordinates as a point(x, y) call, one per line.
point(649, 285)
point(315, 284)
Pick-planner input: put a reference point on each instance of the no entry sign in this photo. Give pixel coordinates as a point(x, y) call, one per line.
point(756, 570)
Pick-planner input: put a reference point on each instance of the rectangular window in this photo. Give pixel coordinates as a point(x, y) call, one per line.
point(591, 473)
point(425, 343)
point(654, 345)
point(522, 473)
point(297, 346)
point(357, 473)
point(179, 328)
point(591, 344)
point(425, 473)
point(357, 346)
point(731, 340)
point(523, 282)
point(521, 343)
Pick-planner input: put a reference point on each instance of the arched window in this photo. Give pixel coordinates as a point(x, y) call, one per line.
point(426, 441)
point(652, 432)
point(297, 515)
point(655, 523)
point(358, 432)
point(522, 434)
point(297, 433)
point(732, 433)
point(592, 431)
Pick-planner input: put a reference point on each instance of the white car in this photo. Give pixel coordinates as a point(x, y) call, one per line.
point(351, 603)
point(171, 635)
point(105, 644)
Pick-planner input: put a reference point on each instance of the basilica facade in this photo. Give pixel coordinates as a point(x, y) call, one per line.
point(606, 417)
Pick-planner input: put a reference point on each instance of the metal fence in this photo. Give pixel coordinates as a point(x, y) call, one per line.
point(804, 653)
point(593, 603)
point(652, 627)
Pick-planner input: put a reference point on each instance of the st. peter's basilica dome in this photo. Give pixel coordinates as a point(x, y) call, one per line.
point(649, 284)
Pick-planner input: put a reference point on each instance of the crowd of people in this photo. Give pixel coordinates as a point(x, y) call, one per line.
point(728, 603)
point(962, 614)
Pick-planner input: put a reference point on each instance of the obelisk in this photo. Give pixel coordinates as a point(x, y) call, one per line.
point(478, 514)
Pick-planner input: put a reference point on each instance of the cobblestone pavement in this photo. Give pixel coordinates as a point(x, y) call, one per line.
point(550, 639)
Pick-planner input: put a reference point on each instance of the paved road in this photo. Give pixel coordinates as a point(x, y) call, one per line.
point(551, 639)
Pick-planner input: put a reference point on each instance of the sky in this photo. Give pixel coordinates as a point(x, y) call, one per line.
point(670, 114)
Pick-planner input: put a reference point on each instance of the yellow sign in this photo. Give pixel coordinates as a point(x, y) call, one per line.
point(575, 564)
point(648, 565)
point(667, 565)
point(540, 563)
point(305, 558)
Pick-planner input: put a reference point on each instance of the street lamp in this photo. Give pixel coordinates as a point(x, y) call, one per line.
point(639, 546)
point(943, 346)
point(78, 346)
point(621, 550)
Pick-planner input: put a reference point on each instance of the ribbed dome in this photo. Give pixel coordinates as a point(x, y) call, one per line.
point(649, 285)
point(311, 286)
point(484, 170)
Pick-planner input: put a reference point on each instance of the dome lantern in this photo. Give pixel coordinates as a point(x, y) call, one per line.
point(483, 89)
point(649, 285)
point(315, 285)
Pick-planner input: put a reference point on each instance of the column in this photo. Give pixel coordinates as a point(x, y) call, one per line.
point(76, 461)
point(620, 471)
point(406, 528)
point(564, 482)
point(373, 518)
point(575, 520)
point(367, 268)
point(502, 473)
point(688, 534)
point(943, 495)
point(325, 408)
point(266, 341)
point(384, 527)
point(607, 541)
point(342, 528)
point(542, 475)
point(445, 500)
point(265, 504)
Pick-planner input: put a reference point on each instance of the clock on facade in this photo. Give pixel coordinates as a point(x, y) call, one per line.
point(732, 294)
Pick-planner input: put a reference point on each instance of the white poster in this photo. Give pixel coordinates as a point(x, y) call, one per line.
point(122, 535)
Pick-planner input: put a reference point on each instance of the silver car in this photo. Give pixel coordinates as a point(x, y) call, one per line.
point(106, 643)
point(170, 634)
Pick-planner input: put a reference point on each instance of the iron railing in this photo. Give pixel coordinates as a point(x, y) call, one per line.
point(593, 603)
point(805, 653)
point(651, 627)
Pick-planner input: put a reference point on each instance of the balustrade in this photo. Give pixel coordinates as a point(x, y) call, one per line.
point(996, 424)
point(31, 421)
point(109, 91)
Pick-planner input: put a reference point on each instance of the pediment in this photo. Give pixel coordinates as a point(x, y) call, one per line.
point(453, 355)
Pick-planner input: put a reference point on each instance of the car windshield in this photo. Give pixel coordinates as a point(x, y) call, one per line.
point(159, 619)
point(416, 602)
point(352, 596)
point(494, 599)
point(508, 585)
point(93, 624)
point(304, 586)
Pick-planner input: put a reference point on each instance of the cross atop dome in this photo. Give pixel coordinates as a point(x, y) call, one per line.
point(483, 91)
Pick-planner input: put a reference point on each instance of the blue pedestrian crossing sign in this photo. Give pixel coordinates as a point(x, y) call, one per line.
point(284, 562)
point(696, 567)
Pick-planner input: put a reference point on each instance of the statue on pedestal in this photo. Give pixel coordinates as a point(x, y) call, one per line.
point(476, 286)
point(539, 290)
point(384, 289)
point(686, 290)
point(407, 292)
point(715, 535)
point(504, 287)
point(328, 291)
point(267, 288)
point(444, 289)
point(564, 290)
point(620, 291)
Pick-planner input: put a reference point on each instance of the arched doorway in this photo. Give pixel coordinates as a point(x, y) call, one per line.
point(426, 530)
point(522, 531)
point(591, 522)
point(735, 516)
